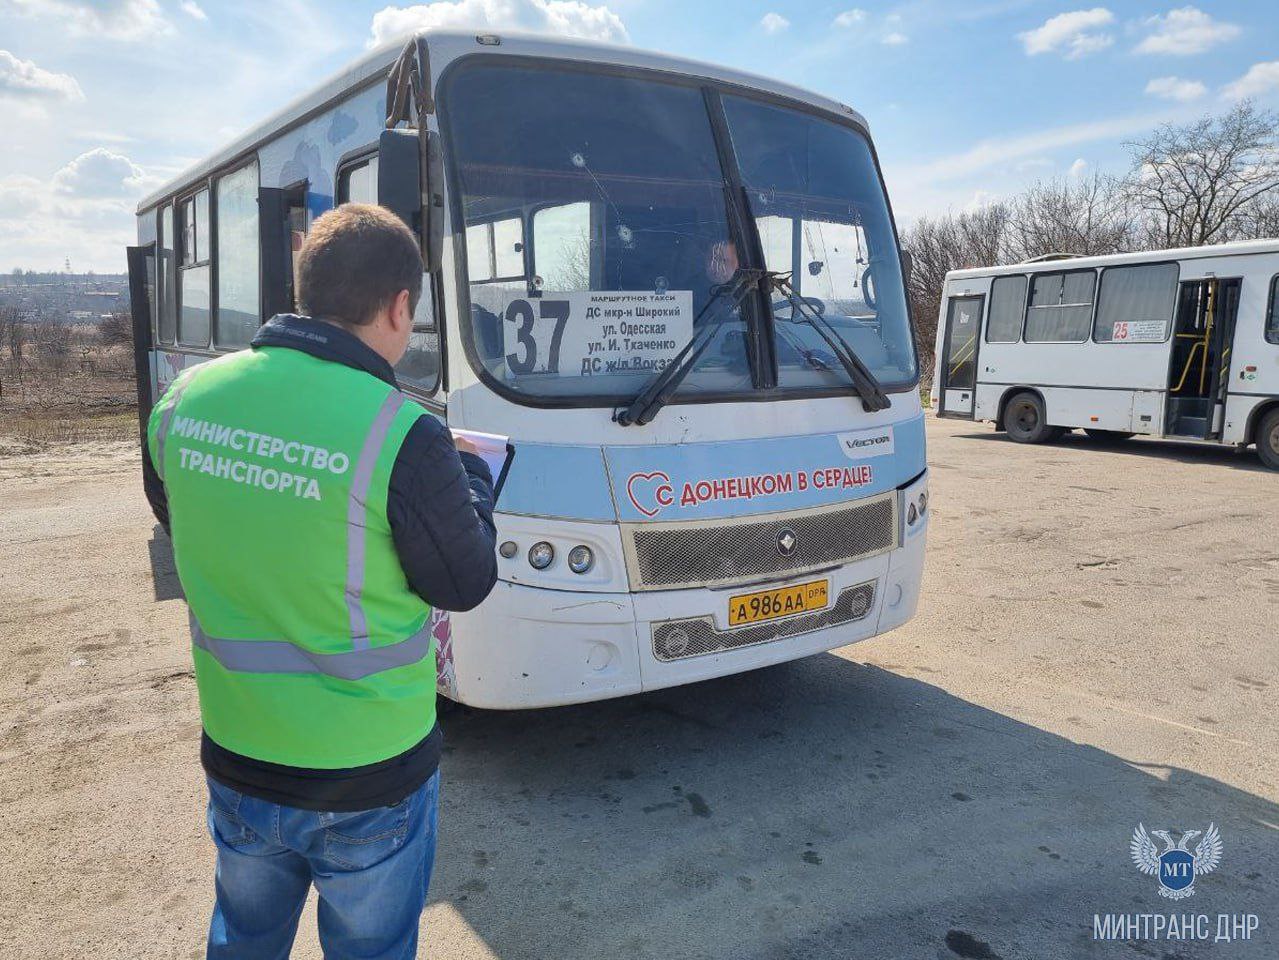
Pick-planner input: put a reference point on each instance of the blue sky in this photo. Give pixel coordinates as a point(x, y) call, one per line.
point(100, 100)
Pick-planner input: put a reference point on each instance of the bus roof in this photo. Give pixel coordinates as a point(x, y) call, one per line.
point(447, 45)
point(1239, 248)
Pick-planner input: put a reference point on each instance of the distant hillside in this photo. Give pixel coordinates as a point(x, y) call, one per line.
point(65, 297)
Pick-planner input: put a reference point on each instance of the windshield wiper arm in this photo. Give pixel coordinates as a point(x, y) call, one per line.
point(645, 406)
point(864, 382)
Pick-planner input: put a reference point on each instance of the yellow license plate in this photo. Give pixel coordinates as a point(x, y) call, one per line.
point(782, 602)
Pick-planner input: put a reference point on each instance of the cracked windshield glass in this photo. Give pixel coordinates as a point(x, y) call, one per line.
point(595, 231)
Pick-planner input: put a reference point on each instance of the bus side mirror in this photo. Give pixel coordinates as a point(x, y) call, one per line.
point(405, 178)
point(908, 266)
point(399, 176)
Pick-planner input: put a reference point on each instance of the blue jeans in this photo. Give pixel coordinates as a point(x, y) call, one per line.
point(371, 870)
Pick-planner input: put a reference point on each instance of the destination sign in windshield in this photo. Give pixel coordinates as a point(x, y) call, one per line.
point(596, 333)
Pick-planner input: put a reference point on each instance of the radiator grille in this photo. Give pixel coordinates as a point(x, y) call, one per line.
point(695, 637)
point(664, 556)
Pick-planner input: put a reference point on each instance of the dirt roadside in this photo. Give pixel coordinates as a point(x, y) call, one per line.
point(1096, 647)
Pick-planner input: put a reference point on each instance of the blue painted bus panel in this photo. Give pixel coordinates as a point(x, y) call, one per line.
point(699, 481)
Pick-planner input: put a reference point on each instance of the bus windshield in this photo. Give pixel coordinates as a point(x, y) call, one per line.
point(597, 233)
point(820, 213)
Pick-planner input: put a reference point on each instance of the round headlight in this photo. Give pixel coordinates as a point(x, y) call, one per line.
point(911, 515)
point(540, 555)
point(923, 501)
point(508, 549)
point(580, 559)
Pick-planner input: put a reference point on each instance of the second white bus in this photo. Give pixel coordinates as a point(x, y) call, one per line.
point(1168, 343)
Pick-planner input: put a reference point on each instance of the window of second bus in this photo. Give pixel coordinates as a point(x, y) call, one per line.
point(1007, 301)
point(1060, 308)
point(1272, 321)
point(1135, 304)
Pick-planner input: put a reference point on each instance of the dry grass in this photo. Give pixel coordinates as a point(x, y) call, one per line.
point(86, 397)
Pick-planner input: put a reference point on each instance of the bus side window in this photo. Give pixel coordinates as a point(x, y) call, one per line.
point(420, 366)
point(167, 278)
point(562, 246)
point(194, 289)
point(1272, 321)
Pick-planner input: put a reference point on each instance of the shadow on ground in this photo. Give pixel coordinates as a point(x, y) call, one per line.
point(820, 809)
point(1206, 454)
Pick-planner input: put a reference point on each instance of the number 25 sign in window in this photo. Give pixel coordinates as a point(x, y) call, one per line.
point(589, 333)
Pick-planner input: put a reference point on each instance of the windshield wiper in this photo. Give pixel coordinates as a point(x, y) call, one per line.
point(864, 382)
point(723, 297)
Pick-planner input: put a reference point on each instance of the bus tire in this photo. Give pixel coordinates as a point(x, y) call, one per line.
point(1026, 422)
point(1268, 439)
point(1108, 436)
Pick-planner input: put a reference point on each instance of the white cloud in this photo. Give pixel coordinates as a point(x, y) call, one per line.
point(570, 18)
point(193, 9)
point(1261, 78)
point(1075, 34)
point(1077, 168)
point(22, 78)
point(773, 22)
point(895, 39)
point(1185, 31)
point(849, 17)
point(112, 19)
point(98, 174)
point(1174, 88)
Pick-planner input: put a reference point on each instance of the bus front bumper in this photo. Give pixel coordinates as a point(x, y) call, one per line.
point(529, 647)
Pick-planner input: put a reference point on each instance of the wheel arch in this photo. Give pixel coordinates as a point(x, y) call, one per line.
point(1255, 417)
point(1008, 395)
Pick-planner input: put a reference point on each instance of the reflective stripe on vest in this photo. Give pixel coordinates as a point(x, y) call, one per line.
point(282, 656)
point(356, 509)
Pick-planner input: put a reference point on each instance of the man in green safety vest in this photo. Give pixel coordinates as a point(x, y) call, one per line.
point(317, 517)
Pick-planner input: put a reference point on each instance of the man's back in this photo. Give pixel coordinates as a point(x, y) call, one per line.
point(317, 515)
point(277, 466)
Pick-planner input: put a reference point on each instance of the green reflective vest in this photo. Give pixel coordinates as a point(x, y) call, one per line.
point(310, 649)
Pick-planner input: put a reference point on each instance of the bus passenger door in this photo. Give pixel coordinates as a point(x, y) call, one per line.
point(959, 361)
point(1199, 371)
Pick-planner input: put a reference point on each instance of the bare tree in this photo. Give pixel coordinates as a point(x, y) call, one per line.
point(1087, 217)
point(116, 329)
point(17, 339)
point(1195, 184)
point(937, 245)
point(1262, 219)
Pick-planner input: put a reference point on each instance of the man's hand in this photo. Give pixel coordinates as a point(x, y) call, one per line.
point(465, 446)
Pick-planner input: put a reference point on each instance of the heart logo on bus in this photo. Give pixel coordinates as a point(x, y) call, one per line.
point(649, 492)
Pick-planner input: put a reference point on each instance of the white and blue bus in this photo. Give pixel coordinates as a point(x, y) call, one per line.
point(676, 287)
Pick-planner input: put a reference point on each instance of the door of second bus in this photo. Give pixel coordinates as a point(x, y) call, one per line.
point(1199, 372)
point(959, 361)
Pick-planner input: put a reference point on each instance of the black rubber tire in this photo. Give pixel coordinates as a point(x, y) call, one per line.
point(1108, 436)
point(1267, 439)
point(1024, 420)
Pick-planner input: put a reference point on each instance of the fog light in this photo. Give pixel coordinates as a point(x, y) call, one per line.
point(508, 549)
point(911, 516)
point(675, 642)
point(923, 501)
point(540, 555)
point(580, 559)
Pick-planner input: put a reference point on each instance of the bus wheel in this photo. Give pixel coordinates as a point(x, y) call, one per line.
point(1268, 439)
point(1108, 436)
point(1024, 420)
